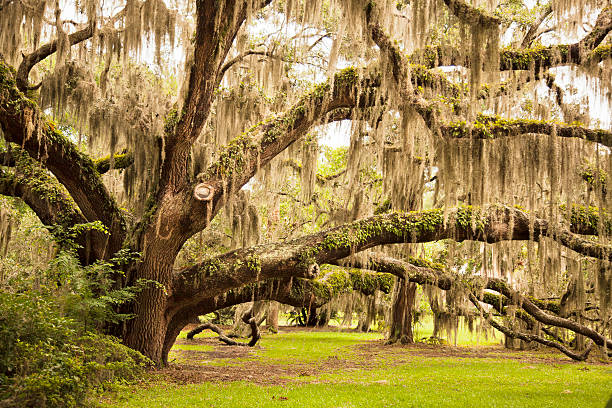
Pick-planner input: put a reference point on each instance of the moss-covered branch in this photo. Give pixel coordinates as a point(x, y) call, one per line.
point(424, 272)
point(117, 161)
point(538, 58)
point(24, 124)
point(28, 180)
point(240, 160)
point(300, 257)
point(468, 14)
point(492, 127)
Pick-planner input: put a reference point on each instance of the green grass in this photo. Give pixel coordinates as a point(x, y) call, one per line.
point(396, 377)
point(305, 346)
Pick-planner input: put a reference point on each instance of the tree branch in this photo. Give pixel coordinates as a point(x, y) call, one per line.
point(216, 28)
point(428, 273)
point(533, 29)
point(300, 257)
point(240, 160)
point(470, 15)
point(119, 161)
point(492, 127)
point(245, 54)
point(538, 58)
point(23, 124)
point(44, 51)
point(530, 337)
point(46, 197)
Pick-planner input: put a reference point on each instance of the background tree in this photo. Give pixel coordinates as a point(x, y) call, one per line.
point(192, 143)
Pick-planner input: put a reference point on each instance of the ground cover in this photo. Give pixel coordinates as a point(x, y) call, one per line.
point(316, 368)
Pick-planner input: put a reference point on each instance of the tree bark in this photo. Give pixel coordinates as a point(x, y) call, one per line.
point(402, 312)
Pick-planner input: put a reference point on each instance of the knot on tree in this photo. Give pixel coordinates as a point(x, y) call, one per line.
point(203, 192)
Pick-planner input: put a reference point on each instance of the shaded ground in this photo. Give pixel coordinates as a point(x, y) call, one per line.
point(207, 360)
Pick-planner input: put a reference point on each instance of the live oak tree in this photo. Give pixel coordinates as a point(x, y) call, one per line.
point(458, 110)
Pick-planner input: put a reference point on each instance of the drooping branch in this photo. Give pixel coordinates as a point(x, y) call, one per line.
point(529, 337)
point(423, 272)
point(296, 292)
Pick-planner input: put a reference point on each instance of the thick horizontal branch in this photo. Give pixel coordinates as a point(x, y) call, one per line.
point(300, 257)
point(490, 127)
point(538, 58)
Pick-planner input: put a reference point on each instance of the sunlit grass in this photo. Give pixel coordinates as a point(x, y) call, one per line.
point(397, 377)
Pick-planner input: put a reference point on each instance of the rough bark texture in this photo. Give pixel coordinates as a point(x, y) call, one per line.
point(402, 312)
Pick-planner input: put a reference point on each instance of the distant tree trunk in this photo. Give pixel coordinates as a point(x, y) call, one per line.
point(240, 327)
point(402, 312)
point(369, 316)
point(272, 317)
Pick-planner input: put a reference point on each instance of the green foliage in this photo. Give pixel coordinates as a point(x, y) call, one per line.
point(46, 359)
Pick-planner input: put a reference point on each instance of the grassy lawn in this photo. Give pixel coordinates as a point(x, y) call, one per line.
point(339, 369)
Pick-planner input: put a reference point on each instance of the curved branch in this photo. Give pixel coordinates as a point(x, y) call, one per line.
point(46, 197)
point(43, 52)
point(530, 337)
point(428, 273)
point(240, 160)
point(23, 123)
point(247, 318)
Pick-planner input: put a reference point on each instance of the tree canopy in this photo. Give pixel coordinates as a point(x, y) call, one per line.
point(201, 138)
